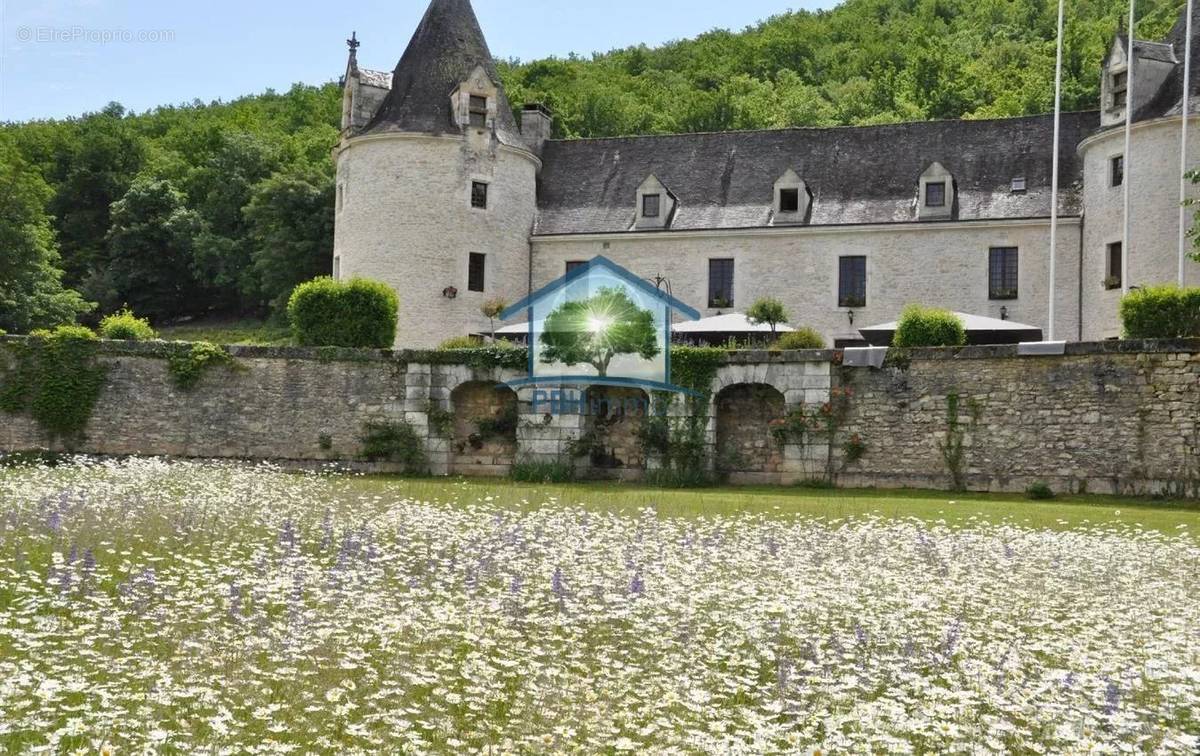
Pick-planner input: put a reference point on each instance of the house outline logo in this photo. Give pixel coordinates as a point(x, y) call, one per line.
point(601, 279)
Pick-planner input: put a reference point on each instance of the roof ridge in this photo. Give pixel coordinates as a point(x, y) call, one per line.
point(844, 127)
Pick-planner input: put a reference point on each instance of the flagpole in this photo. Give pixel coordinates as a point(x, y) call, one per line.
point(1128, 166)
point(1183, 139)
point(1054, 173)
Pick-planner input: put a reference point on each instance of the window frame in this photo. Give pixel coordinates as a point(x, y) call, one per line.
point(474, 196)
point(941, 185)
point(571, 265)
point(718, 286)
point(1004, 272)
point(477, 266)
point(792, 193)
point(1112, 279)
point(852, 284)
point(474, 108)
point(657, 204)
point(1116, 170)
point(1120, 89)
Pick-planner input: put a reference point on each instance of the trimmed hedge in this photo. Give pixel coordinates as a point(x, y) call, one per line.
point(125, 326)
point(801, 338)
point(928, 327)
point(354, 313)
point(1161, 312)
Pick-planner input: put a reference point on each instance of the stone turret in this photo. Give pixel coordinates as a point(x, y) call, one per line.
point(436, 184)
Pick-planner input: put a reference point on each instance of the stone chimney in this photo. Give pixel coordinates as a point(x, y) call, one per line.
point(535, 125)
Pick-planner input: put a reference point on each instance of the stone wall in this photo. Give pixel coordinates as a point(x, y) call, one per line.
point(1107, 417)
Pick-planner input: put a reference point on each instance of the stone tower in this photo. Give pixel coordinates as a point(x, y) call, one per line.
point(436, 186)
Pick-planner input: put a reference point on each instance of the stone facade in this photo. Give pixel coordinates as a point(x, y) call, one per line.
point(405, 218)
point(1107, 417)
point(409, 153)
point(945, 263)
point(1152, 171)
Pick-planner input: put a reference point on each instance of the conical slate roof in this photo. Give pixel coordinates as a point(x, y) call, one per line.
point(446, 47)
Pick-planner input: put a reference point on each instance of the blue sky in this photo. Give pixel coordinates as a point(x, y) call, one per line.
point(66, 57)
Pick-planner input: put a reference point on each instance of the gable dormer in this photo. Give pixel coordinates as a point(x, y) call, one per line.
point(792, 199)
point(655, 204)
point(473, 103)
point(936, 193)
point(1153, 63)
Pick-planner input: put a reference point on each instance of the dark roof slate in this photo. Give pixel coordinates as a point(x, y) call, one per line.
point(446, 47)
point(866, 174)
point(1168, 100)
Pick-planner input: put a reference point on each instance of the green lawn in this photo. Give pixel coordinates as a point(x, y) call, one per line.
point(227, 331)
point(952, 508)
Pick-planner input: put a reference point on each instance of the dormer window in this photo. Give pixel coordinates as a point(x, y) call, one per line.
point(935, 194)
point(1120, 88)
point(789, 200)
point(792, 199)
point(478, 112)
point(655, 206)
point(935, 198)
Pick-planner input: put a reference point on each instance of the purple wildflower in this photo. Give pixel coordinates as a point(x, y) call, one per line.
point(1112, 698)
point(556, 584)
point(637, 586)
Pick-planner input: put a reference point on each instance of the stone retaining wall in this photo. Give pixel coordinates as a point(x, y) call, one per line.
point(1106, 417)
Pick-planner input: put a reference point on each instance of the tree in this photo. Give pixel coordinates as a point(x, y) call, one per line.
point(151, 246)
point(491, 310)
point(218, 190)
point(291, 223)
point(95, 164)
point(767, 310)
point(596, 329)
point(31, 290)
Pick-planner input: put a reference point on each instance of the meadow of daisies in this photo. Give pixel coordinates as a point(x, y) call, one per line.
point(232, 609)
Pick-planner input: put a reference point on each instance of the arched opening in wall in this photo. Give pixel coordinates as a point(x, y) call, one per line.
point(485, 428)
point(744, 441)
point(612, 417)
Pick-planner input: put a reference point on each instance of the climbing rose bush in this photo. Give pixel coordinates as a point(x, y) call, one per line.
point(216, 608)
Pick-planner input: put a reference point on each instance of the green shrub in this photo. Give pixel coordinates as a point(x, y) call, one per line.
point(186, 368)
point(394, 442)
point(460, 342)
point(801, 338)
point(928, 327)
point(125, 326)
point(1161, 312)
point(1039, 490)
point(553, 471)
point(354, 313)
point(472, 351)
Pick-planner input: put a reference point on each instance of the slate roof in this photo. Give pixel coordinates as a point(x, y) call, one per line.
point(1169, 99)
point(446, 47)
point(857, 175)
